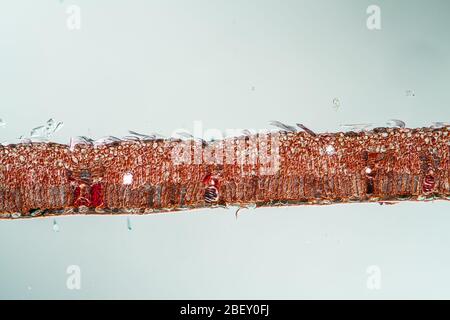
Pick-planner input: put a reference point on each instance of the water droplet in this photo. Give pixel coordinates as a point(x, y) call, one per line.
point(2, 123)
point(129, 227)
point(55, 226)
point(410, 93)
point(336, 104)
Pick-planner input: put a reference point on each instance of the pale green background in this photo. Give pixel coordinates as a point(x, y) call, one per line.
point(160, 65)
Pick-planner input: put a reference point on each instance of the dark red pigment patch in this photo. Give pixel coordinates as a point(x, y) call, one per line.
point(428, 184)
point(96, 195)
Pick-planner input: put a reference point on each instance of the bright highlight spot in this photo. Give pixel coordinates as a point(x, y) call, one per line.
point(127, 178)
